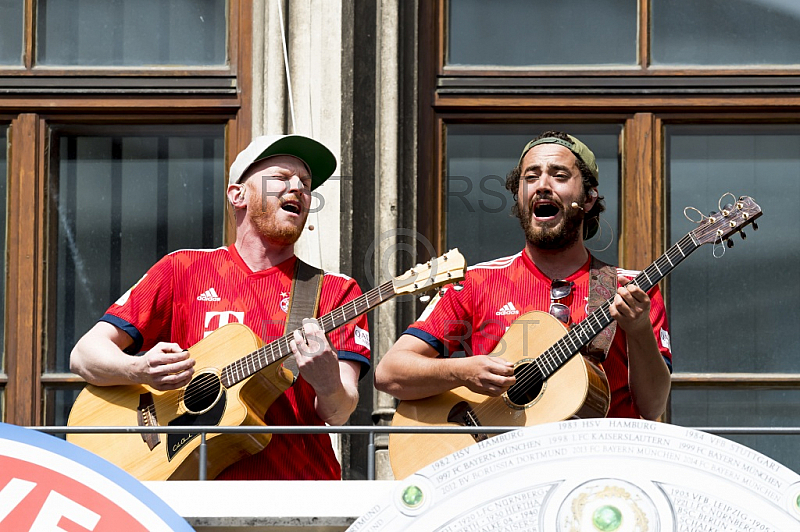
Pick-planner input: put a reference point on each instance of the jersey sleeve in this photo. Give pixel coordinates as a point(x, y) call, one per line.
point(144, 312)
point(446, 323)
point(658, 317)
point(351, 340)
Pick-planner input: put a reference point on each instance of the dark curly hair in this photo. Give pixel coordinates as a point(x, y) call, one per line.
point(591, 221)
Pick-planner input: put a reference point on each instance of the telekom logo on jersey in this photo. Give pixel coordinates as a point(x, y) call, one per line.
point(215, 320)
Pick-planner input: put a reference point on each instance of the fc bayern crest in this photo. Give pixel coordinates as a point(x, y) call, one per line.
point(285, 302)
point(49, 484)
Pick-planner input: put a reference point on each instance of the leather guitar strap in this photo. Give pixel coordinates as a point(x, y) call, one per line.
point(304, 302)
point(602, 287)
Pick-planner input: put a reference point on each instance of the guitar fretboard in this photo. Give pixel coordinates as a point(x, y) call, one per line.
point(280, 348)
point(584, 332)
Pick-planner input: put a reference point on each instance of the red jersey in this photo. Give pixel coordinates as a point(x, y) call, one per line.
point(188, 294)
point(495, 293)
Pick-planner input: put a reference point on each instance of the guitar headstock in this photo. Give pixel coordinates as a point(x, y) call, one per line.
point(731, 219)
point(437, 272)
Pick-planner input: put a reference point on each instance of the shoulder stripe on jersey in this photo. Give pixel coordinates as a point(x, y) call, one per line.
point(343, 276)
point(496, 264)
point(200, 250)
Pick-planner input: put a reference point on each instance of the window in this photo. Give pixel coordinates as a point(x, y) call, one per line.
point(725, 32)
point(120, 33)
point(122, 118)
point(3, 194)
point(118, 204)
point(732, 308)
point(11, 26)
point(678, 117)
point(525, 33)
point(478, 159)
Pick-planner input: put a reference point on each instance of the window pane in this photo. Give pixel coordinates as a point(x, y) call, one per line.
point(11, 25)
point(734, 313)
point(57, 405)
point(3, 205)
point(744, 408)
point(479, 220)
point(121, 203)
point(542, 32)
point(125, 33)
point(725, 32)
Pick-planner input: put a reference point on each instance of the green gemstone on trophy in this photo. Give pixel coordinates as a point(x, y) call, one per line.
point(412, 496)
point(607, 518)
point(797, 502)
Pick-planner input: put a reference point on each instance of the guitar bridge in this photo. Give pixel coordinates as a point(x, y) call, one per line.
point(463, 414)
point(146, 414)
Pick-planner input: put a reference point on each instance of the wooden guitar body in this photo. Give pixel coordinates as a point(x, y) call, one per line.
point(579, 389)
point(236, 380)
point(205, 401)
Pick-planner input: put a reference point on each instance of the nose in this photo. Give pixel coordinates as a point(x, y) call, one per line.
point(542, 186)
point(295, 184)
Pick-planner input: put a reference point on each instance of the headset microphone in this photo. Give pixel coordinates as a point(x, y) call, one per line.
point(575, 205)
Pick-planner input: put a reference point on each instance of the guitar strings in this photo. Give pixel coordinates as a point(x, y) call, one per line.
point(267, 354)
point(494, 404)
point(497, 405)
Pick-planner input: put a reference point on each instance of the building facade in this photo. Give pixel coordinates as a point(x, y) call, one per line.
point(119, 120)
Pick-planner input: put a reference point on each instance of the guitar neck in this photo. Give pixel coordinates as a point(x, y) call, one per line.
point(584, 332)
point(280, 348)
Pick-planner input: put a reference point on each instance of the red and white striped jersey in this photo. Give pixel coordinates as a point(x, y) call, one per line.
point(497, 292)
point(189, 294)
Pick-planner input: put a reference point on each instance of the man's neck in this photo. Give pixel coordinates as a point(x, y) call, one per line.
point(558, 263)
point(260, 254)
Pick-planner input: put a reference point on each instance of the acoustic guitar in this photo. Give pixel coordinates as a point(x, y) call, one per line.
point(552, 383)
point(236, 380)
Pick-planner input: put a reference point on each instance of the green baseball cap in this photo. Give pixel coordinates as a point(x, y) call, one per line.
point(319, 159)
point(578, 148)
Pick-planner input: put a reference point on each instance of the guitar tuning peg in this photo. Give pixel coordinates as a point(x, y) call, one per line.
point(425, 298)
point(755, 226)
point(729, 242)
point(743, 235)
point(458, 287)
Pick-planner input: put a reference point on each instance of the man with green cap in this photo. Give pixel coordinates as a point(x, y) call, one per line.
point(554, 186)
point(189, 294)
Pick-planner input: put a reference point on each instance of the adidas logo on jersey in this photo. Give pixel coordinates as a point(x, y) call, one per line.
point(507, 309)
point(209, 295)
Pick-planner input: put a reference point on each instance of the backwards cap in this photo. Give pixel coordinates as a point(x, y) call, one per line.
point(578, 148)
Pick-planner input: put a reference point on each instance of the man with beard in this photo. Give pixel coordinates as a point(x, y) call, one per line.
point(189, 294)
point(555, 190)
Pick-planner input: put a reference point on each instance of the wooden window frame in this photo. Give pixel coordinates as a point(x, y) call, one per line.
point(36, 98)
point(644, 100)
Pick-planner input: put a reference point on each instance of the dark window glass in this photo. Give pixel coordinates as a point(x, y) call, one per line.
point(517, 33)
point(121, 202)
point(126, 33)
point(732, 312)
point(12, 23)
point(479, 156)
point(725, 32)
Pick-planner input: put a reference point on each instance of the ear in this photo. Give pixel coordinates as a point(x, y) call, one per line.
point(236, 196)
point(591, 199)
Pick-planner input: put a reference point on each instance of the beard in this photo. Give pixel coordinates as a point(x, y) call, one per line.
point(556, 234)
point(265, 219)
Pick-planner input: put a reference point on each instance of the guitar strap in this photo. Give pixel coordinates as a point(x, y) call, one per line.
point(602, 287)
point(304, 302)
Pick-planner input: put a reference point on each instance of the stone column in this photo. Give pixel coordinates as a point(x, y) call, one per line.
point(306, 102)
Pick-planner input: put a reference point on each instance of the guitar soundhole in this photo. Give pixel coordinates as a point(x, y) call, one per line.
point(202, 393)
point(528, 386)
